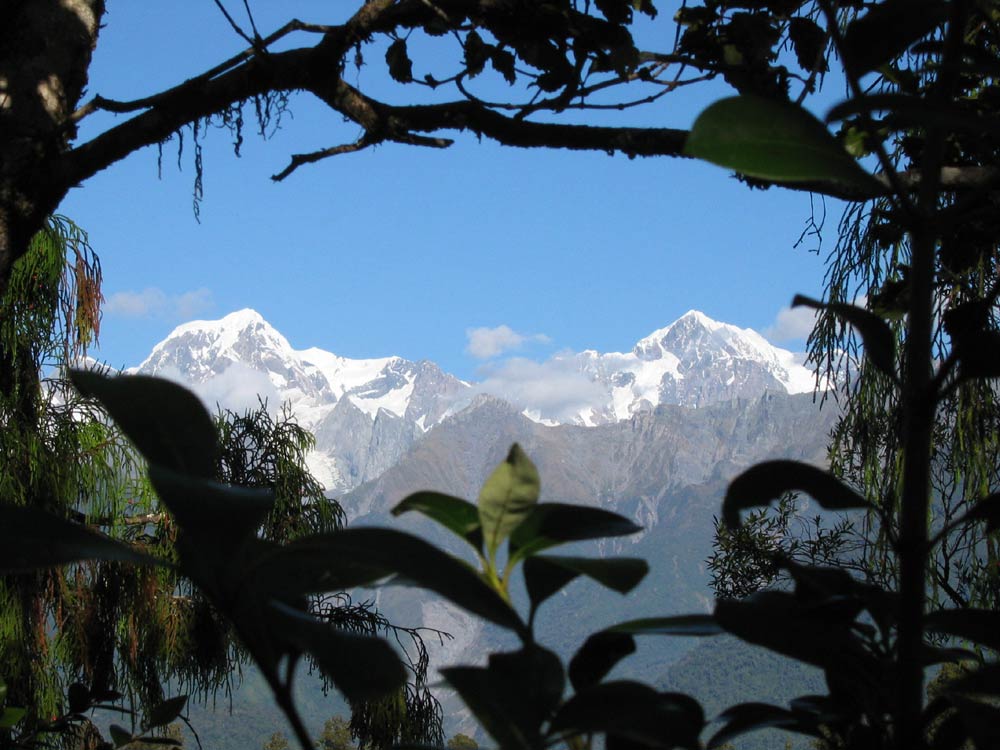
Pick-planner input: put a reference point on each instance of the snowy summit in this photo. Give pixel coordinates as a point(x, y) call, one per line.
point(366, 412)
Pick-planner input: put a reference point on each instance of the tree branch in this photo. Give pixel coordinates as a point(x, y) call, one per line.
point(348, 148)
point(318, 70)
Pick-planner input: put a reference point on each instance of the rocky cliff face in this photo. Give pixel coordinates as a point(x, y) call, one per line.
point(628, 466)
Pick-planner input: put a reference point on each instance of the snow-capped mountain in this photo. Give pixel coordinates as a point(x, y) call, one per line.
point(654, 433)
point(695, 361)
point(365, 413)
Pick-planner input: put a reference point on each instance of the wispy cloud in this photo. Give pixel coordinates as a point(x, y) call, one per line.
point(486, 343)
point(791, 324)
point(237, 388)
point(153, 302)
point(554, 389)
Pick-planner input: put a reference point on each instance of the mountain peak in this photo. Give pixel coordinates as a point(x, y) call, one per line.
point(234, 321)
point(694, 361)
point(699, 317)
point(201, 348)
point(653, 345)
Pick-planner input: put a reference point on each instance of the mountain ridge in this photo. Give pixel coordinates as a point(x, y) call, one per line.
point(366, 413)
point(669, 424)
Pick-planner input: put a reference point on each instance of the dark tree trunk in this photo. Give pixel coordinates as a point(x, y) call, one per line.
point(45, 51)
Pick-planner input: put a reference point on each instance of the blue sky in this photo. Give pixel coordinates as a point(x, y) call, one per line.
point(408, 251)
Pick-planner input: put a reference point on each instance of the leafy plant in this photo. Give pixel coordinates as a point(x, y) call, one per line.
point(872, 641)
point(99, 625)
point(876, 687)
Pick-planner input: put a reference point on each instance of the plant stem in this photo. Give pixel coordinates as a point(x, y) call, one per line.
point(919, 414)
point(919, 403)
point(283, 697)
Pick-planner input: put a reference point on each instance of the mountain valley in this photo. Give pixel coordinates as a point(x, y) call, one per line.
point(655, 435)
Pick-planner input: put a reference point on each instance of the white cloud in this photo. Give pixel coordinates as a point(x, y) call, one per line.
point(554, 389)
point(136, 304)
point(236, 388)
point(191, 305)
point(155, 303)
point(791, 324)
point(486, 343)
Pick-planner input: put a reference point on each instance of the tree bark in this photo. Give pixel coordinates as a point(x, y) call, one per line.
point(45, 52)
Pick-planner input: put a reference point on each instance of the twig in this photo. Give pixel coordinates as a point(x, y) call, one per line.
point(111, 105)
point(898, 192)
point(298, 160)
point(232, 22)
point(253, 26)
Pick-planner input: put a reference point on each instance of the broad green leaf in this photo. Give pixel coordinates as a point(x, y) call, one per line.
point(879, 341)
point(549, 524)
point(362, 667)
point(949, 730)
point(457, 515)
point(979, 357)
point(836, 595)
point(478, 693)
point(645, 6)
point(530, 682)
point(32, 539)
point(887, 30)
point(166, 422)
point(597, 656)
point(693, 625)
point(748, 717)
point(400, 66)
point(507, 497)
point(3, 691)
point(814, 581)
point(210, 510)
point(824, 708)
point(79, 699)
point(916, 111)
point(542, 579)
point(477, 52)
point(311, 565)
point(503, 63)
point(981, 720)
point(616, 11)
point(931, 655)
point(980, 626)
point(387, 551)
point(778, 621)
point(10, 715)
point(775, 141)
point(119, 735)
point(621, 574)
point(769, 480)
point(164, 713)
point(974, 343)
point(105, 695)
point(982, 681)
point(809, 42)
point(634, 711)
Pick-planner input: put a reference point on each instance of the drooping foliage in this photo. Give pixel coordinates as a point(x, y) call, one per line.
point(59, 454)
point(261, 450)
point(874, 640)
point(872, 261)
point(870, 264)
point(100, 630)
